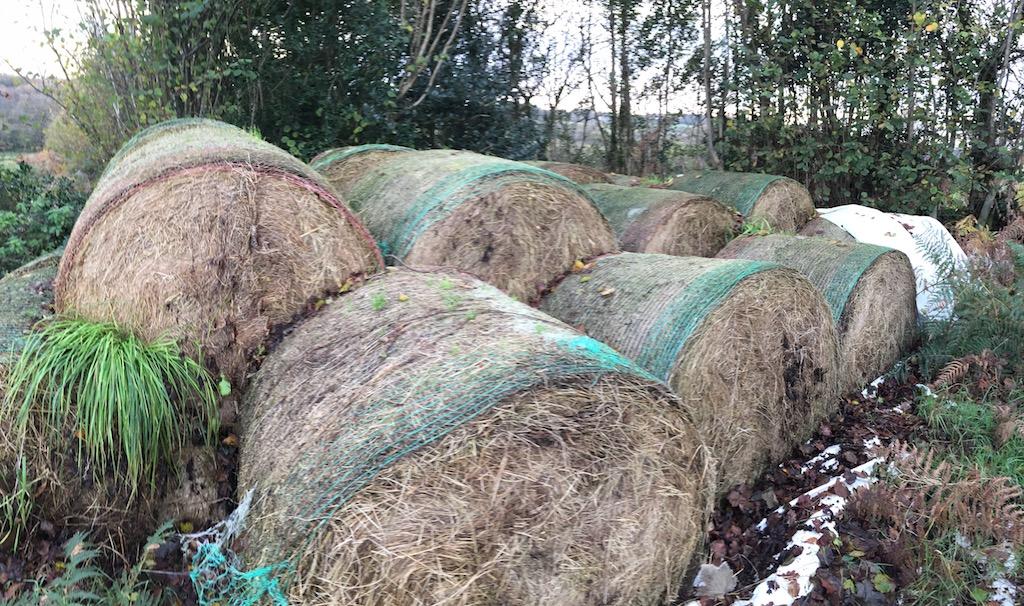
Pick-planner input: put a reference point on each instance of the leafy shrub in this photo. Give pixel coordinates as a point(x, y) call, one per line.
point(37, 212)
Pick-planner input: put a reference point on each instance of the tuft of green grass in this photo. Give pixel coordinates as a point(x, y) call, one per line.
point(757, 227)
point(378, 302)
point(130, 404)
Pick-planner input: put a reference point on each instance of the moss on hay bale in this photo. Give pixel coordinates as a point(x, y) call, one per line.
point(345, 165)
point(26, 297)
point(204, 233)
point(515, 226)
point(749, 347)
point(577, 173)
point(870, 289)
point(821, 227)
point(427, 439)
point(783, 203)
point(663, 221)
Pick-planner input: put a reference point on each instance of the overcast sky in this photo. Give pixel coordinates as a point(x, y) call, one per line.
point(22, 23)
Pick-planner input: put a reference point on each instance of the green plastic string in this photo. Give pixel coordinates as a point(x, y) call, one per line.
point(398, 217)
point(342, 153)
point(739, 190)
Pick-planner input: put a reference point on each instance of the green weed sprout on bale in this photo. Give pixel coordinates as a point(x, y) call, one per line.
point(129, 404)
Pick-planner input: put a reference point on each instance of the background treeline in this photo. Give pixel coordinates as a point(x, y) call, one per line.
point(910, 105)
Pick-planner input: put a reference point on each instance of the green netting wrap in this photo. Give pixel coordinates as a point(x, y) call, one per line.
point(664, 221)
point(749, 345)
point(381, 389)
point(26, 296)
point(739, 190)
point(577, 173)
point(329, 157)
point(834, 268)
point(186, 142)
point(870, 290)
point(409, 194)
point(672, 302)
point(510, 224)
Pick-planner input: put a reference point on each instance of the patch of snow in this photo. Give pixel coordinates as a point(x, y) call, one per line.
point(1004, 593)
point(795, 579)
point(873, 386)
point(826, 459)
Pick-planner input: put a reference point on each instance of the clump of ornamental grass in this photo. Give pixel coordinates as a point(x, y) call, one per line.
point(129, 405)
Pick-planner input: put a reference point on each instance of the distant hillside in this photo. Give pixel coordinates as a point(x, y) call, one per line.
point(24, 115)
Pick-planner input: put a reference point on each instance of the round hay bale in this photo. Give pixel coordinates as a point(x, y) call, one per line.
point(426, 439)
point(664, 221)
point(749, 347)
point(70, 497)
point(820, 227)
point(870, 289)
point(577, 173)
point(204, 233)
point(513, 225)
point(344, 165)
point(783, 203)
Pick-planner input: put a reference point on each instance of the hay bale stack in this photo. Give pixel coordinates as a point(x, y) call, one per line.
point(749, 347)
point(664, 221)
point(870, 289)
point(513, 225)
point(820, 227)
point(782, 203)
point(426, 439)
point(577, 173)
point(344, 165)
point(204, 233)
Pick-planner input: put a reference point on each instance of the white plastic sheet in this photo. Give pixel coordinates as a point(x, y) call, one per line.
point(920, 238)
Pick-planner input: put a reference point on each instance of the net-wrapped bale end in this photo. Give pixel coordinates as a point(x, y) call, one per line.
point(870, 289)
point(579, 174)
point(510, 224)
point(201, 232)
point(649, 220)
point(820, 227)
point(426, 439)
point(749, 347)
point(781, 202)
point(343, 166)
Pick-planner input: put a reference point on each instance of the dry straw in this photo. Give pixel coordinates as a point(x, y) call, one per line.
point(577, 173)
point(426, 439)
point(343, 166)
point(201, 232)
point(749, 347)
point(783, 203)
point(664, 221)
point(821, 227)
point(513, 225)
point(871, 290)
